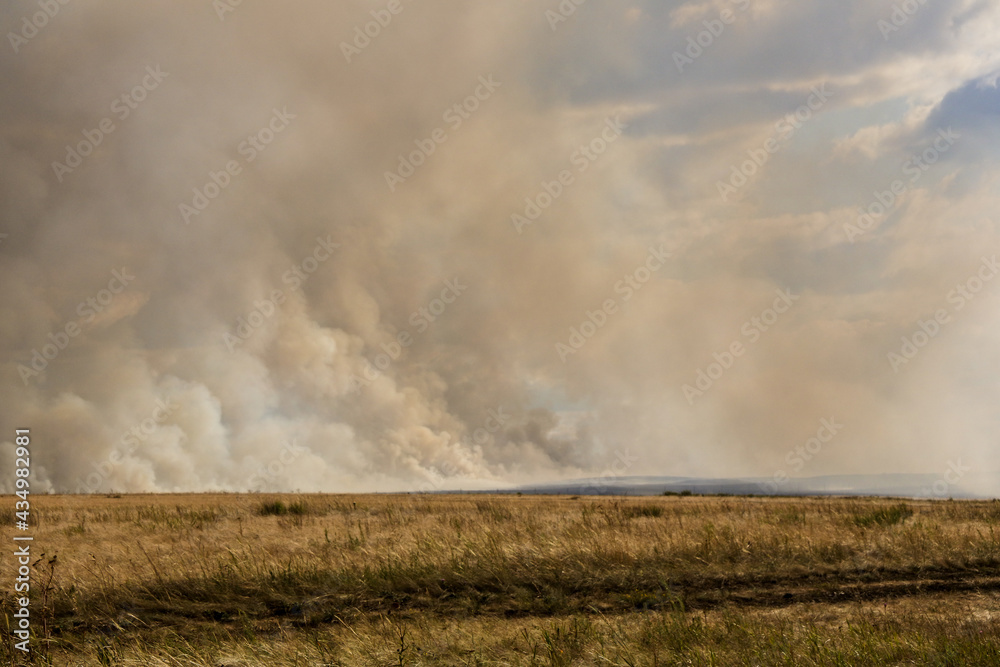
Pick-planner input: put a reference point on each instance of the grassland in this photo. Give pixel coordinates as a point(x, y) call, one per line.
point(237, 580)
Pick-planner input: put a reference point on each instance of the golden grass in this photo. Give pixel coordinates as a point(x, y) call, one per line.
point(475, 579)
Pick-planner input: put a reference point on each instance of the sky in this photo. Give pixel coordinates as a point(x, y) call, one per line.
point(411, 245)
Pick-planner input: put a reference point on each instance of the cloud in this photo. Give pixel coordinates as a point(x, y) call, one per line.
point(973, 107)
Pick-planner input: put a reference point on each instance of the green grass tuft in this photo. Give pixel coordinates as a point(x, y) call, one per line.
point(883, 516)
point(273, 508)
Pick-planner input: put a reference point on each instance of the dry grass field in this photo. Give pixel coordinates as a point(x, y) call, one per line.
point(251, 580)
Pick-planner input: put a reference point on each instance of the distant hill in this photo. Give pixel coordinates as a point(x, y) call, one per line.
point(980, 485)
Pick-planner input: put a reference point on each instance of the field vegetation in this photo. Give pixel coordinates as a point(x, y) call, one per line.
point(253, 580)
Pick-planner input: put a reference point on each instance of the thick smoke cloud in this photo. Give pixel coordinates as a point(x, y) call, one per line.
point(229, 292)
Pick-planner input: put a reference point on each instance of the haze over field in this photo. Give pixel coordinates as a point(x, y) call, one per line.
point(252, 247)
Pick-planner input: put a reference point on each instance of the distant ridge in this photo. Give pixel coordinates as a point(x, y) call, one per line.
point(981, 485)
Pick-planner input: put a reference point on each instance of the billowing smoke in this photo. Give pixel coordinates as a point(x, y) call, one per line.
point(434, 244)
